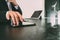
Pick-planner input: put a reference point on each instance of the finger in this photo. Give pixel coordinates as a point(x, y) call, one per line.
point(21, 19)
point(7, 16)
point(12, 18)
point(16, 18)
point(20, 16)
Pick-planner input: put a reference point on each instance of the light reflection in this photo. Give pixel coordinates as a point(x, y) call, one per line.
point(52, 21)
point(52, 18)
point(59, 17)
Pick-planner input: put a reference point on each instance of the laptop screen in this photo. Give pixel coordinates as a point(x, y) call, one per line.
point(36, 14)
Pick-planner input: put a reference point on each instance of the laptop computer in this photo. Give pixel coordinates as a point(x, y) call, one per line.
point(36, 15)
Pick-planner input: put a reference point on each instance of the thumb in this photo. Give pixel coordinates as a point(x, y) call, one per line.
point(7, 16)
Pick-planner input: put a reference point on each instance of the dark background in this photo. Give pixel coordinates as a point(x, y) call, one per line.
point(48, 8)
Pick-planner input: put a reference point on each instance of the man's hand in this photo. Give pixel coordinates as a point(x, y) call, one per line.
point(14, 16)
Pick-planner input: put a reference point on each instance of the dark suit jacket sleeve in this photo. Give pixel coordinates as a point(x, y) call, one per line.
point(3, 16)
point(3, 10)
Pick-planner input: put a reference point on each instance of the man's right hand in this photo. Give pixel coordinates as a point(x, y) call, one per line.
point(14, 16)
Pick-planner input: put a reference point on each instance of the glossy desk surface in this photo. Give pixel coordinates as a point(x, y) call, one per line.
point(37, 32)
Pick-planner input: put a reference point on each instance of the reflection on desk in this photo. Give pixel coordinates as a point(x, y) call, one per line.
point(51, 32)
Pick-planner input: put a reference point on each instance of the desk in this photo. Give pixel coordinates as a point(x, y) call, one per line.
point(23, 33)
point(37, 32)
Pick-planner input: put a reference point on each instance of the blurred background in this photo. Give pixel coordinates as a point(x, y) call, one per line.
point(29, 6)
point(50, 12)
